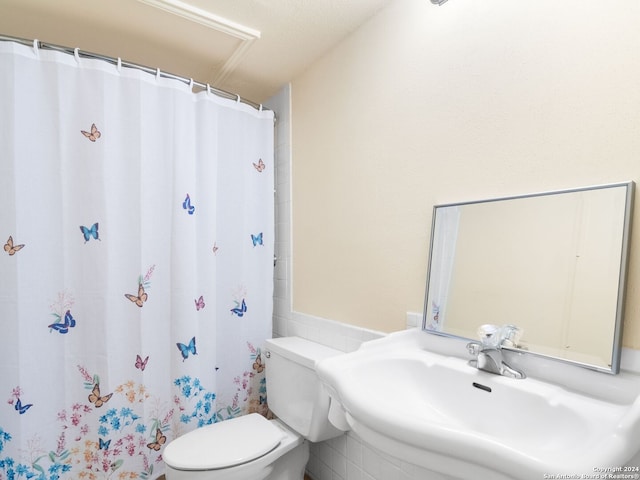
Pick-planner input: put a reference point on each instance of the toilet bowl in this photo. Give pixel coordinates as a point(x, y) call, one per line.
point(254, 448)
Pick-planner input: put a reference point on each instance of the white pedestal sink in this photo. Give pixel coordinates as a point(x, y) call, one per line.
point(413, 395)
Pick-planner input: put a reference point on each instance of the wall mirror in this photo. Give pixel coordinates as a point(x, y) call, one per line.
point(553, 264)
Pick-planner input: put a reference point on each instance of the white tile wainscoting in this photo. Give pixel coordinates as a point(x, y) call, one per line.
point(347, 458)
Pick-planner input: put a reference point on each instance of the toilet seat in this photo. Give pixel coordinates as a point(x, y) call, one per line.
point(224, 444)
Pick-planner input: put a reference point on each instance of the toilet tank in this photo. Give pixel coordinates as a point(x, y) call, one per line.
point(294, 391)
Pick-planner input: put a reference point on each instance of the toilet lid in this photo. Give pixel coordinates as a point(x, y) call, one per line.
point(223, 444)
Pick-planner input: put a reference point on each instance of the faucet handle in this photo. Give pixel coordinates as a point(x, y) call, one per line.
point(473, 348)
point(511, 335)
point(489, 334)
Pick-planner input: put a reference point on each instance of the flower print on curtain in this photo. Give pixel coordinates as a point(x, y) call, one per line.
point(137, 267)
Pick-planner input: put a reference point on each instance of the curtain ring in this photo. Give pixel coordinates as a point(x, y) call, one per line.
point(260, 108)
point(208, 89)
point(191, 84)
point(76, 53)
point(238, 99)
point(157, 73)
point(36, 50)
point(119, 65)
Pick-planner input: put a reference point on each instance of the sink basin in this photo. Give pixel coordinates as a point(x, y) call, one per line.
point(436, 411)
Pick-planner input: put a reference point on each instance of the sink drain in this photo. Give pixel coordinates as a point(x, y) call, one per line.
point(481, 387)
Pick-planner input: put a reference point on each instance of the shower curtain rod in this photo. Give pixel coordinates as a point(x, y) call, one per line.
point(117, 61)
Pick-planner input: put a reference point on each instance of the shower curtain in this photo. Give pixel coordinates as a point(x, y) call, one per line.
point(136, 273)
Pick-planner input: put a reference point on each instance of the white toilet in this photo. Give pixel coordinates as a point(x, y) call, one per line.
point(254, 448)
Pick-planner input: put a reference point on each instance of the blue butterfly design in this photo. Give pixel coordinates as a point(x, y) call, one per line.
point(239, 309)
point(257, 239)
point(185, 349)
point(69, 322)
point(90, 232)
point(22, 408)
point(104, 445)
point(187, 205)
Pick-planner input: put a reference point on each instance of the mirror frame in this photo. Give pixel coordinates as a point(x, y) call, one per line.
point(622, 280)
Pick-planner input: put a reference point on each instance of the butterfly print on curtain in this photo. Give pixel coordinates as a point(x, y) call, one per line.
point(10, 248)
point(144, 282)
point(89, 233)
point(93, 134)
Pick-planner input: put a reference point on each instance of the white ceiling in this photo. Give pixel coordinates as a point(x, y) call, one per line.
point(292, 35)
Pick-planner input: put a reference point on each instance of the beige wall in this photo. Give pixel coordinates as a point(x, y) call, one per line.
point(426, 105)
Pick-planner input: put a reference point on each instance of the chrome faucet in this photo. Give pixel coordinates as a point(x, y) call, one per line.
point(488, 351)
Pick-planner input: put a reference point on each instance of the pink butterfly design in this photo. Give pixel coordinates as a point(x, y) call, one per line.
point(199, 303)
point(93, 135)
point(215, 248)
point(260, 166)
point(141, 364)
